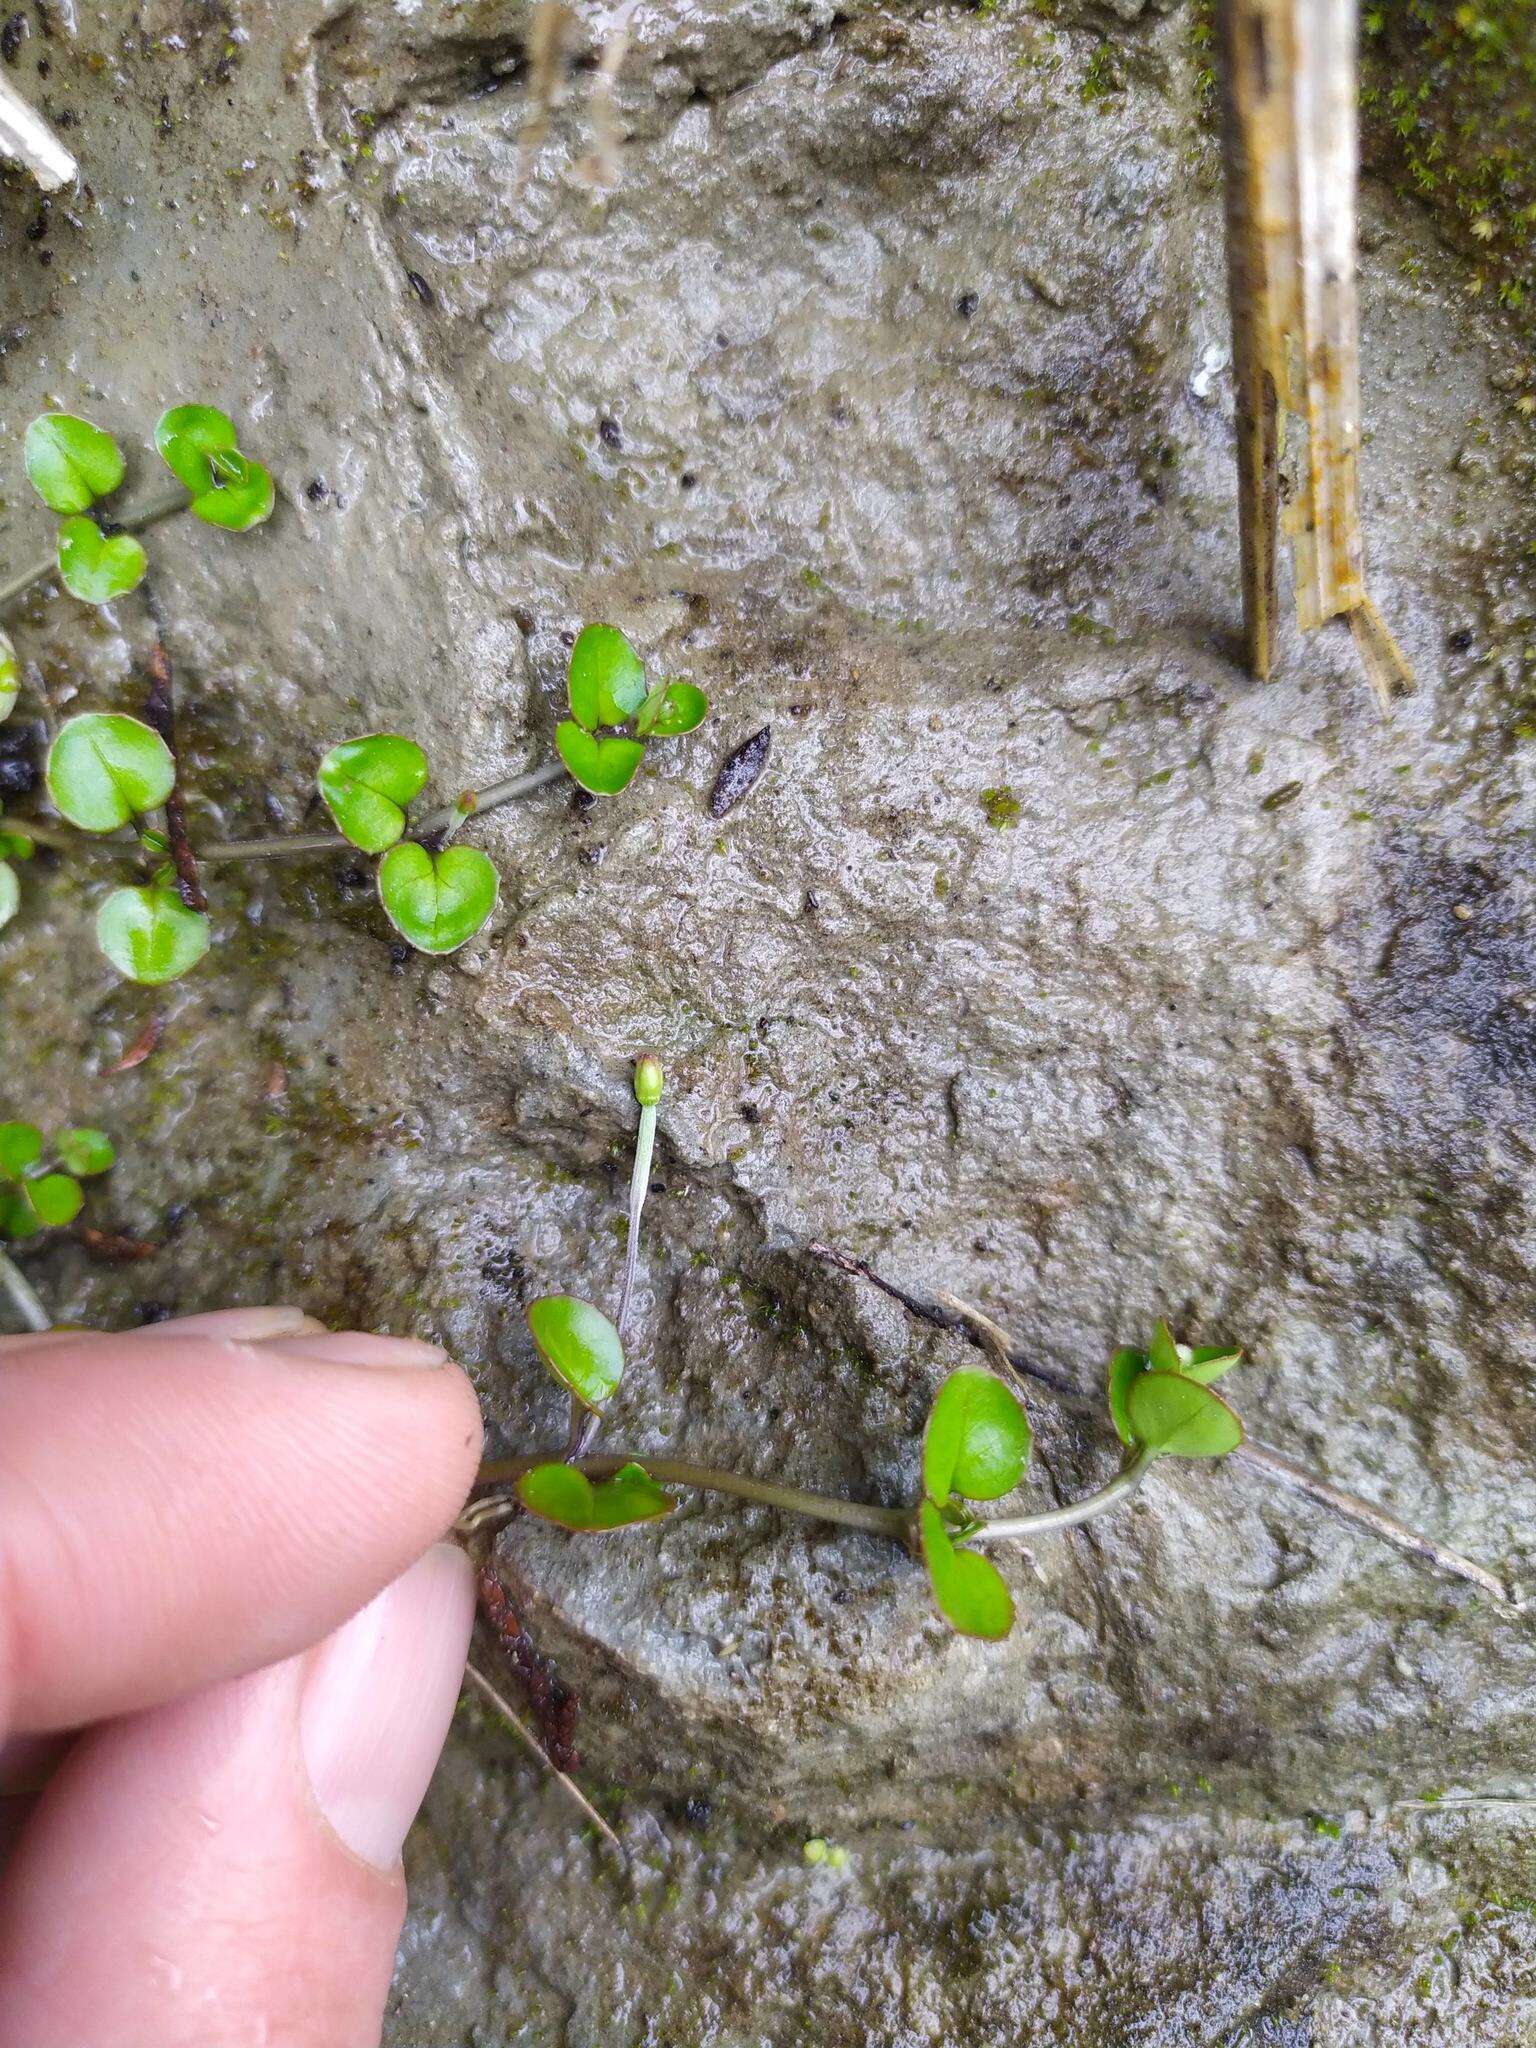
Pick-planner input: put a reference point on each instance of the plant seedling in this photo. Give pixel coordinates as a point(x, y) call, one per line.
point(198, 444)
point(96, 568)
point(1167, 1357)
point(606, 687)
point(39, 1193)
point(368, 784)
point(437, 901)
point(559, 1493)
point(579, 1345)
point(976, 1445)
point(106, 768)
point(150, 935)
point(70, 462)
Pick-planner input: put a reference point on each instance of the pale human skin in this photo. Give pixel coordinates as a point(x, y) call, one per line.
point(231, 1639)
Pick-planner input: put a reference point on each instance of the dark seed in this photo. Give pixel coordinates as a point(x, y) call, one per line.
point(740, 772)
point(608, 433)
point(966, 304)
point(10, 37)
point(420, 287)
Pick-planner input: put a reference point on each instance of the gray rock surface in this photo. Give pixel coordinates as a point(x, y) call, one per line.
point(1050, 962)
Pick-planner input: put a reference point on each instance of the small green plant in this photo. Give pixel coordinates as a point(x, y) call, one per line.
point(115, 775)
point(40, 1190)
point(976, 1442)
point(608, 695)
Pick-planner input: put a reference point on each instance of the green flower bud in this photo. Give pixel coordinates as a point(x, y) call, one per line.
point(648, 1080)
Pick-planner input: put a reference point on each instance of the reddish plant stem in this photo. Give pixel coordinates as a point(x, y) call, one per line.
point(554, 1705)
point(160, 712)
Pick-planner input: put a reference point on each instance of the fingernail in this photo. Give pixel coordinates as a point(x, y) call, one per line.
point(357, 1347)
point(378, 1699)
point(242, 1325)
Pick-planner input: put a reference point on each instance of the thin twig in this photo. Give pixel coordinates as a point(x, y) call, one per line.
point(567, 1785)
point(27, 1302)
point(160, 712)
point(134, 521)
point(1260, 1456)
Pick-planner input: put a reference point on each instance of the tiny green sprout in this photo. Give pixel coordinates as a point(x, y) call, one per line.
point(1164, 1355)
point(95, 568)
point(679, 707)
point(85, 1150)
point(579, 1345)
point(969, 1591)
point(437, 901)
point(16, 846)
point(977, 1441)
point(150, 935)
point(367, 785)
point(10, 677)
point(70, 462)
point(816, 1849)
point(559, 1493)
point(199, 446)
point(105, 768)
point(34, 1194)
point(606, 683)
point(602, 766)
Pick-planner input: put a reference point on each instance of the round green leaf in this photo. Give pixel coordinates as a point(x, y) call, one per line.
point(602, 766)
point(10, 677)
point(606, 685)
point(104, 768)
point(97, 569)
point(1175, 1417)
point(56, 1198)
point(150, 935)
point(237, 502)
point(187, 436)
point(367, 784)
point(10, 893)
point(18, 1218)
point(16, 846)
point(85, 1150)
point(579, 1345)
point(683, 707)
point(977, 1440)
point(969, 1592)
point(21, 1146)
point(70, 462)
point(1126, 1364)
point(559, 1493)
point(437, 900)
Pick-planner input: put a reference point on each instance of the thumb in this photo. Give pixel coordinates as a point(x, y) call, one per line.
point(226, 1869)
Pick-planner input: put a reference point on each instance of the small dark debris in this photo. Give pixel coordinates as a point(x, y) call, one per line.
point(317, 490)
point(399, 953)
point(1460, 641)
point(354, 877)
point(750, 1113)
point(146, 1312)
point(175, 1216)
point(421, 288)
point(696, 1811)
point(1277, 799)
point(609, 433)
point(740, 772)
point(113, 1247)
point(505, 1274)
point(11, 37)
point(687, 480)
point(37, 227)
point(19, 749)
point(966, 304)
